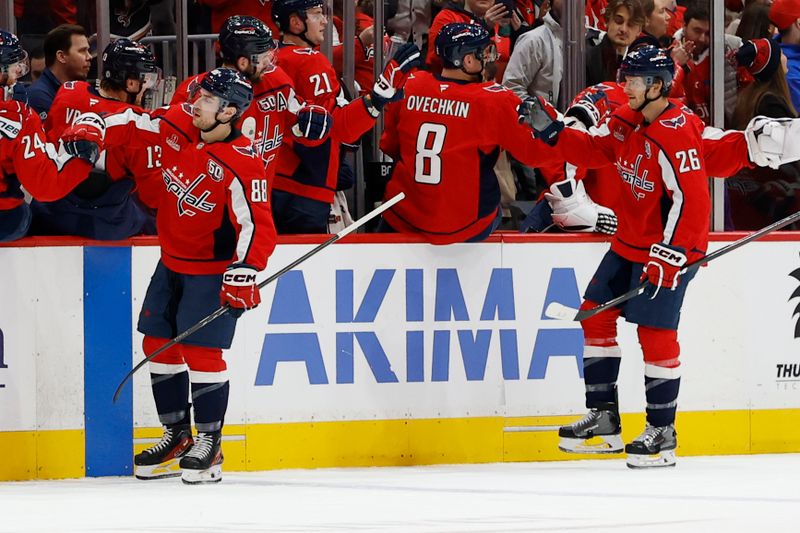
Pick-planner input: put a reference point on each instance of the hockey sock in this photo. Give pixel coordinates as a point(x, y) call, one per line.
point(169, 380)
point(601, 357)
point(600, 371)
point(661, 389)
point(662, 373)
point(210, 399)
point(207, 372)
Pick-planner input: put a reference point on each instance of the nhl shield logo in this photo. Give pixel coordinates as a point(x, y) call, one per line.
point(647, 150)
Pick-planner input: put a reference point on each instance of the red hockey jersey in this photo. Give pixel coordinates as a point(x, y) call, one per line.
point(445, 137)
point(268, 118)
point(215, 209)
point(664, 168)
point(27, 158)
point(312, 171)
point(140, 164)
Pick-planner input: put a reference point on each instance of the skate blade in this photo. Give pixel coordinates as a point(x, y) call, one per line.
point(599, 444)
point(657, 460)
point(159, 471)
point(196, 477)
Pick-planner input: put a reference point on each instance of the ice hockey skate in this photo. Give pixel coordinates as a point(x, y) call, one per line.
point(597, 432)
point(655, 447)
point(161, 460)
point(203, 463)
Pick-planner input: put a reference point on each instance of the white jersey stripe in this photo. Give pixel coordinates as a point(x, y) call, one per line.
point(241, 209)
point(671, 182)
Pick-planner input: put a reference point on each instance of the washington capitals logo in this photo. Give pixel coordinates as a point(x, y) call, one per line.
point(674, 123)
point(182, 188)
point(632, 176)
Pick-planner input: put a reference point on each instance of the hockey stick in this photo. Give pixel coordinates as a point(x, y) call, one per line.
point(559, 311)
point(224, 309)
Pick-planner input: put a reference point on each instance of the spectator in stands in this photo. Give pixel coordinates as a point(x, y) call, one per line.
point(42, 15)
point(67, 58)
point(755, 23)
point(785, 14)
point(656, 24)
point(624, 20)
point(694, 38)
point(535, 67)
point(761, 196)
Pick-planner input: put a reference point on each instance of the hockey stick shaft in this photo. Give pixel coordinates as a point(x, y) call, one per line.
point(224, 309)
point(583, 314)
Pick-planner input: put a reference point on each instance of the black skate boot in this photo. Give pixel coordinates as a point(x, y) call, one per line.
point(597, 432)
point(655, 447)
point(203, 463)
point(161, 460)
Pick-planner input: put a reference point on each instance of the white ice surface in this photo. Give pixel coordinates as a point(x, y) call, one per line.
point(709, 494)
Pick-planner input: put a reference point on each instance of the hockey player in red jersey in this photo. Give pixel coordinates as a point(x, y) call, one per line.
point(307, 177)
point(445, 136)
point(659, 153)
point(246, 45)
point(215, 229)
point(121, 195)
point(26, 158)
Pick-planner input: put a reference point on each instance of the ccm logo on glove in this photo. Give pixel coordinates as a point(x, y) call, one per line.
point(239, 279)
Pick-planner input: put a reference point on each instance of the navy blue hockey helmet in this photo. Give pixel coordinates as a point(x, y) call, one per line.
point(459, 39)
point(650, 63)
point(230, 86)
point(283, 9)
point(124, 59)
point(11, 51)
point(243, 36)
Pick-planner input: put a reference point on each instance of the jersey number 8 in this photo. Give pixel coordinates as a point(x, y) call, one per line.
point(428, 164)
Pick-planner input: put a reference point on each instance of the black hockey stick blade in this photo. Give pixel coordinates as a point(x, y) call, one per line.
point(224, 309)
point(558, 311)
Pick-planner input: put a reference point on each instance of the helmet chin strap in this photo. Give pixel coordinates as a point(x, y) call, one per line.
point(647, 100)
point(217, 122)
point(302, 35)
point(476, 75)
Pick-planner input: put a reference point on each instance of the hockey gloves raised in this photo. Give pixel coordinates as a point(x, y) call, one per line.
point(590, 108)
point(389, 85)
point(313, 123)
point(573, 210)
point(84, 139)
point(664, 268)
point(239, 289)
point(773, 142)
point(542, 117)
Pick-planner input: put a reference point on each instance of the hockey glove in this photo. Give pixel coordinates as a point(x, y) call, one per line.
point(664, 268)
point(590, 108)
point(84, 139)
point(773, 142)
point(239, 289)
point(389, 85)
point(313, 123)
point(542, 117)
point(573, 210)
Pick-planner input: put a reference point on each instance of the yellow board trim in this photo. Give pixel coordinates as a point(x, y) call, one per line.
point(54, 454)
point(60, 454)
